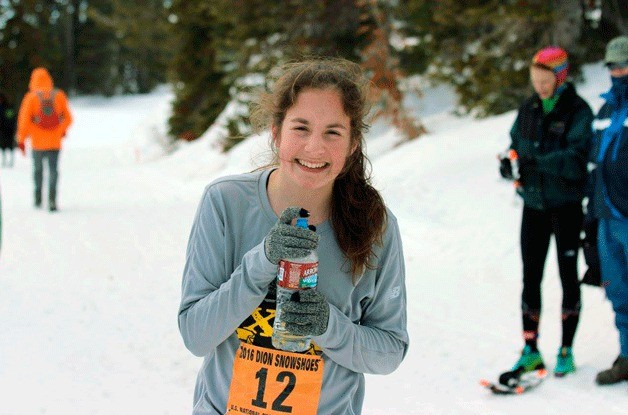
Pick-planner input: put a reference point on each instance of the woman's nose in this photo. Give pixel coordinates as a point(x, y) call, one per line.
point(315, 143)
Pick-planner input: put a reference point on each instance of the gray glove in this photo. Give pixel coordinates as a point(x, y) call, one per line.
point(306, 313)
point(287, 241)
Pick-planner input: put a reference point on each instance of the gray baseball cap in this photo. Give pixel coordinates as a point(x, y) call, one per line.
point(617, 50)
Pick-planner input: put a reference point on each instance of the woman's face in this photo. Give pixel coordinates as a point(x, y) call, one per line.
point(314, 141)
point(543, 81)
point(619, 71)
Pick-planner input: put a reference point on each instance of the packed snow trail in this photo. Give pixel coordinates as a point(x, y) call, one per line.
point(88, 295)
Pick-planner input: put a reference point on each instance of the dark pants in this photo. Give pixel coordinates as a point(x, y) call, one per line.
point(537, 226)
point(52, 156)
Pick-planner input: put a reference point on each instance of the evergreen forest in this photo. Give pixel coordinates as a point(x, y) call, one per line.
point(217, 51)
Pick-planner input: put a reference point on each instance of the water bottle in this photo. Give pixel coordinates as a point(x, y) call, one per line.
point(293, 274)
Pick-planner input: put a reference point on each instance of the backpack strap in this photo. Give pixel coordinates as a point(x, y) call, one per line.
point(53, 93)
point(51, 100)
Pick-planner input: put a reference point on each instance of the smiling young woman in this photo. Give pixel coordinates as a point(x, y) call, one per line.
point(313, 145)
point(356, 210)
point(315, 113)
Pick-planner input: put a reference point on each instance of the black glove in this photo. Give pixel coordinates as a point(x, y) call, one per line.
point(592, 276)
point(306, 313)
point(505, 168)
point(287, 241)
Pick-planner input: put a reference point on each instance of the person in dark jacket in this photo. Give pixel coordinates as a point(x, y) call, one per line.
point(8, 125)
point(609, 199)
point(550, 136)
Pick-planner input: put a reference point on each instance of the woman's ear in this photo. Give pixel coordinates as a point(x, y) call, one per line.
point(274, 131)
point(354, 147)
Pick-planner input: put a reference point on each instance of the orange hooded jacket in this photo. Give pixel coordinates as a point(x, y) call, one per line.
point(42, 138)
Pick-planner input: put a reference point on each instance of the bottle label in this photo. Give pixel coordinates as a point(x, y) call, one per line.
point(297, 276)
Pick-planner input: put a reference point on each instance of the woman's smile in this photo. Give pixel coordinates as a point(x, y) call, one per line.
point(312, 165)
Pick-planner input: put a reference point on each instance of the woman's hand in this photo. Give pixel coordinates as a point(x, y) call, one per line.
point(306, 313)
point(287, 241)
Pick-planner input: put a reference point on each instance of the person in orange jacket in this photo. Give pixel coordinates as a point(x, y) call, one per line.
point(44, 116)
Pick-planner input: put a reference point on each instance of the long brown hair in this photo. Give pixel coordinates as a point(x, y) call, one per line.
point(358, 213)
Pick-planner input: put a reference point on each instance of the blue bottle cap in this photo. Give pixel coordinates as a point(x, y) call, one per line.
point(302, 223)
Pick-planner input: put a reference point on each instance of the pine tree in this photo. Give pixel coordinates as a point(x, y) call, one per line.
point(251, 38)
point(382, 64)
point(484, 47)
point(604, 20)
point(80, 44)
point(25, 44)
point(142, 44)
point(198, 76)
point(96, 51)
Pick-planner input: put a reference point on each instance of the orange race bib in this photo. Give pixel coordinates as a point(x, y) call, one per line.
point(274, 382)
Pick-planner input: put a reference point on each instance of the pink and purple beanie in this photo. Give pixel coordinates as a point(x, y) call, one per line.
point(554, 59)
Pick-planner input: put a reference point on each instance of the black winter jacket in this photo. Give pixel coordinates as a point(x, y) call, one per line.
point(558, 142)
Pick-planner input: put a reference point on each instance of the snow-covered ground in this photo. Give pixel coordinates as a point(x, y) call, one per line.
point(89, 295)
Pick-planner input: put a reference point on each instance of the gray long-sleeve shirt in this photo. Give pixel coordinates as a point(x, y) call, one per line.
point(226, 278)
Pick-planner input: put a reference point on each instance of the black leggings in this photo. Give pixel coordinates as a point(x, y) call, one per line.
point(537, 226)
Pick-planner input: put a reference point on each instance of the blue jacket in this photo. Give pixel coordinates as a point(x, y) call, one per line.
point(608, 160)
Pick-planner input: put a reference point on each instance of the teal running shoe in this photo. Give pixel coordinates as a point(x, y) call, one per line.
point(564, 362)
point(530, 360)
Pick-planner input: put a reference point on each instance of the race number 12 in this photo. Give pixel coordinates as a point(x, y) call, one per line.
point(274, 382)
